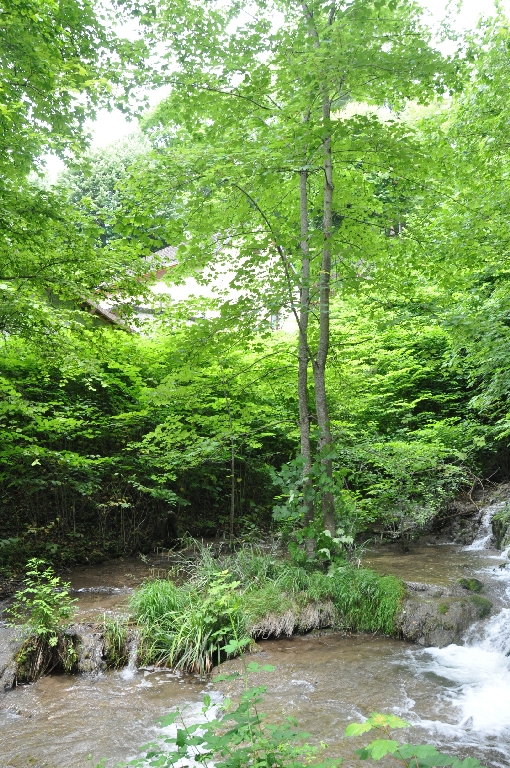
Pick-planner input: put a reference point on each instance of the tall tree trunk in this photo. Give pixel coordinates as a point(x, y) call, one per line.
point(303, 356)
point(319, 368)
point(232, 460)
point(319, 364)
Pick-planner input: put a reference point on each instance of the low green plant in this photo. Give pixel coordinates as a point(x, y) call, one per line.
point(408, 755)
point(268, 599)
point(207, 623)
point(43, 607)
point(367, 601)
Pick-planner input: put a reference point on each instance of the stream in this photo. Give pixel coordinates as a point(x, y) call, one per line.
point(456, 697)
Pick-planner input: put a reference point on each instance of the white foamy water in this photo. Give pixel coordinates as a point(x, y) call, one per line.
point(477, 673)
point(130, 669)
point(481, 685)
point(192, 714)
point(485, 535)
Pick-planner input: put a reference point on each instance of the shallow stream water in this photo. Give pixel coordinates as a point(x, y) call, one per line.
point(457, 697)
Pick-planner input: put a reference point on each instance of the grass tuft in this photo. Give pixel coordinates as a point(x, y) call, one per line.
point(115, 637)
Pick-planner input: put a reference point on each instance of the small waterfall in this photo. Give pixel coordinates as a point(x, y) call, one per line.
point(130, 669)
point(480, 674)
point(484, 536)
point(479, 671)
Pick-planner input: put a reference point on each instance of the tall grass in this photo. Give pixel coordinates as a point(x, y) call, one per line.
point(115, 631)
point(185, 628)
point(365, 601)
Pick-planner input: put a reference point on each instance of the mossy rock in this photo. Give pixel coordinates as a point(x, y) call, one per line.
point(482, 605)
point(501, 527)
point(432, 616)
point(471, 584)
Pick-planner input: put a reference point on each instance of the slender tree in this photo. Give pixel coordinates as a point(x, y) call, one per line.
point(281, 119)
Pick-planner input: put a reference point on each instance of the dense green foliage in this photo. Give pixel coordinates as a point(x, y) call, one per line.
point(59, 62)
point(317, 164)
point(113, 441)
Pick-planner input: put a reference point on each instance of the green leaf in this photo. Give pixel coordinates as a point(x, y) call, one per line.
point(381, 747)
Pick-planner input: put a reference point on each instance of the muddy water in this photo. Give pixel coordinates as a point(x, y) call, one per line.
point(458, 697)
point(60, 720)
point(431, 564)
point(106, 588)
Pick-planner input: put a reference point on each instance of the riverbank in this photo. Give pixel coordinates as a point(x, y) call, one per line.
point(325, 681)
point(225, 602)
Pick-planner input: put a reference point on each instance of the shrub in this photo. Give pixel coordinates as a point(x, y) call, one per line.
point(42, 609)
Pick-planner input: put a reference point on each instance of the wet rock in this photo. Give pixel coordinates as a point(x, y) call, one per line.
point(501, 527)
point(87, 641)
point(436, 616)
point(8, 587)
point(90, 648)
point(10, 643)
point(482, 605)
point(460, 522)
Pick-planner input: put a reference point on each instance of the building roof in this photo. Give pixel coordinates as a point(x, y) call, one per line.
point(166, 257)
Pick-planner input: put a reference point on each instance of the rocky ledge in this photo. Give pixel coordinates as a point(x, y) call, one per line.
point(438, 616)
point(88, 641)
point(430, 616)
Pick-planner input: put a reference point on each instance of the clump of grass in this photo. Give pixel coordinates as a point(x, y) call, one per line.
point(155, 600)
point(189, 629)
point(367, 602)
point(269, 612)
point(115, 637)
point(255, 593)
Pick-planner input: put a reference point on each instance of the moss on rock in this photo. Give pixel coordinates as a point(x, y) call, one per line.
point(482, 605)
point(471, 584)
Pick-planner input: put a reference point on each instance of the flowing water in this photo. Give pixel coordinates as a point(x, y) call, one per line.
point(457, 697)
